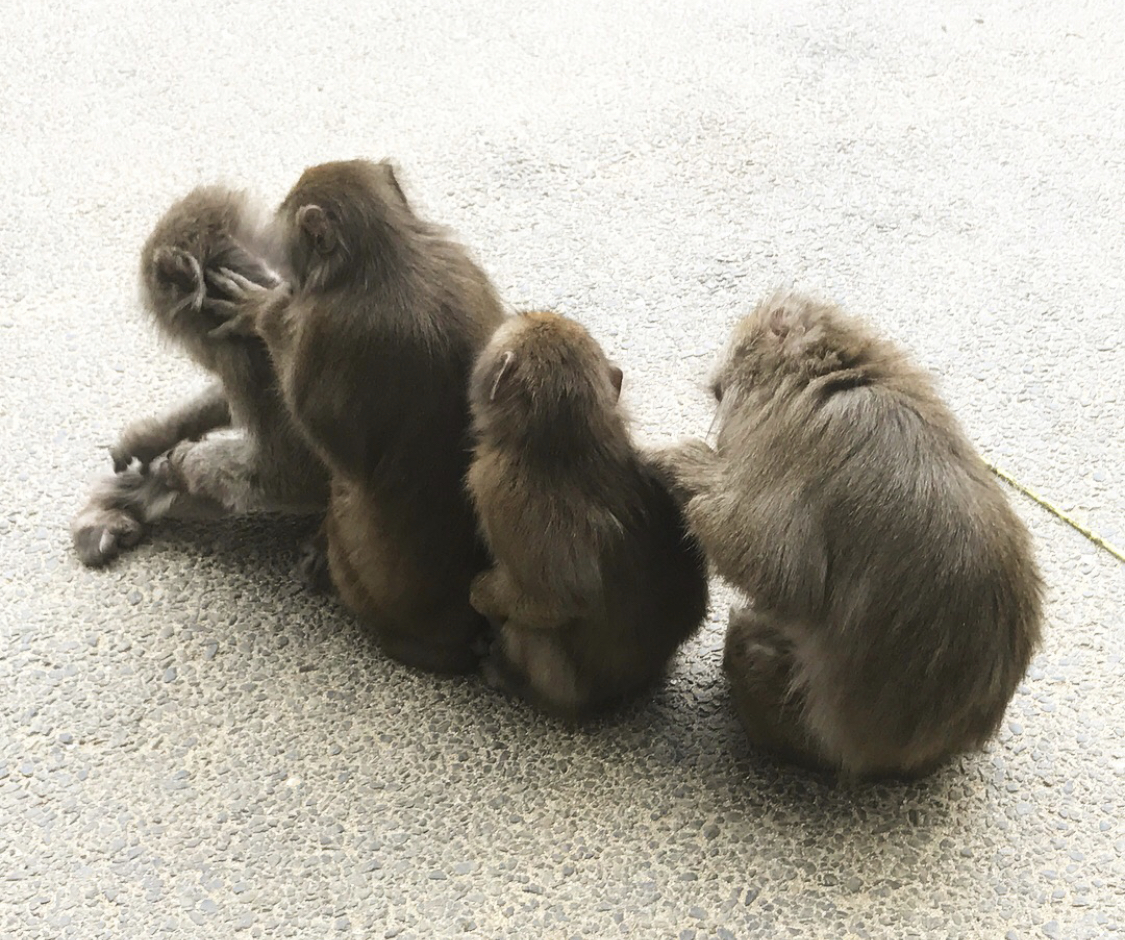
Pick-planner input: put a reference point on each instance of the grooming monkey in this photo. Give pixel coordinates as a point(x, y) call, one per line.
point(895, 596)
point(163, 466)
point(373, 343)
point(596, 582)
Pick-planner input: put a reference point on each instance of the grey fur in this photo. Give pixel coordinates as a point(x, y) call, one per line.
point(896, 599)
point(167, 466)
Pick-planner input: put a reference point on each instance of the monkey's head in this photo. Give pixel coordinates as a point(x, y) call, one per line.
point(542, 376)
point(793, 338)
point(338, 219)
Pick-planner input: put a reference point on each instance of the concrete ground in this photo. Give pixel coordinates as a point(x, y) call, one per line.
point(192, 746)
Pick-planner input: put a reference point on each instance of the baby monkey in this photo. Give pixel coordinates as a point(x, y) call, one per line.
point(596, 582)
point(895, 597)
point(166, 466)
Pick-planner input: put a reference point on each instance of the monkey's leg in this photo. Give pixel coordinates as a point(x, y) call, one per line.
point(493, 595)
point(205, 479)
point(759, 663)
point(686, 469)
point(117, 511)
point(216, 471)
point(145, 440)
point(536, 667)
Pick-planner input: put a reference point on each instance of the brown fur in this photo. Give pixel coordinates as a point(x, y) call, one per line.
point(896, 599)
point(596, 582)
point(162, 466)
point(374, 342)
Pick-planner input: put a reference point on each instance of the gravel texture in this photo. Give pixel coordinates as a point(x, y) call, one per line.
point(190, 746)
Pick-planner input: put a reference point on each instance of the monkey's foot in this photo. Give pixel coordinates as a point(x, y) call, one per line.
point(495, 669)
point(101, 533)
point(312, 566)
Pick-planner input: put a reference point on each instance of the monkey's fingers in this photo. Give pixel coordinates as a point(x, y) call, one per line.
point(239, 324)
point(233, 284)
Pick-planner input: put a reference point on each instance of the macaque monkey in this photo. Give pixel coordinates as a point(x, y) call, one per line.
point(596, 582)
point(373, 342)
point(895, 601)
point(169, 466)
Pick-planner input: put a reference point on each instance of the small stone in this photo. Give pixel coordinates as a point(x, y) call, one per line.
point(208, 906)
point(66, 738)
point(170, 674)
point(437, 875)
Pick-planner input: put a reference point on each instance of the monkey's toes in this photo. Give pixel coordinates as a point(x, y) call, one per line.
point(101, 535)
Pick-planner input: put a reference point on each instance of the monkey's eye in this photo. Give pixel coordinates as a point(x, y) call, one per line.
point(717, 390)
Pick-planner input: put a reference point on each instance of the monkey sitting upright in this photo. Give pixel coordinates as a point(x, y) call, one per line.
point(596, 581)
point(895, 597)
point(373, 344)
point(163, 468)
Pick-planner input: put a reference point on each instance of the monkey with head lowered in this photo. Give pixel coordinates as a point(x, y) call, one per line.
point(596, 582)
point(895, 598)
point(373, 343)
point(167, 466)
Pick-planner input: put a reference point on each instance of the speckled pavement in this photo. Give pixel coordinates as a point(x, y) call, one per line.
point(191, 746)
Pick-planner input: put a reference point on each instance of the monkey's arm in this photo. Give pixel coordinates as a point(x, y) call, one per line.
point(493, 595)
point(145, 440)
point(686, 469)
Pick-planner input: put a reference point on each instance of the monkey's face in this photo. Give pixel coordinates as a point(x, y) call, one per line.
point(336, 215)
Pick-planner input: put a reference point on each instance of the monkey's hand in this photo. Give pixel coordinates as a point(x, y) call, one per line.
point(244, 304)
point(686, 469)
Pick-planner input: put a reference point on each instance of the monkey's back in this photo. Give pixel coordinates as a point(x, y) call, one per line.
point(896, 551)
point(379, 382)
point(603, 537)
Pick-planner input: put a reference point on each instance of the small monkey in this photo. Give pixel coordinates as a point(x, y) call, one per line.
point(596, 581)
point(167, 466)
point(896, 601)
point(373, 343)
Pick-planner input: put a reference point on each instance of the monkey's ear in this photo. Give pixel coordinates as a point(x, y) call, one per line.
point(315, 222)
point(506, 361)
point(389, 172)
point(175, 267)
point(616, 376)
